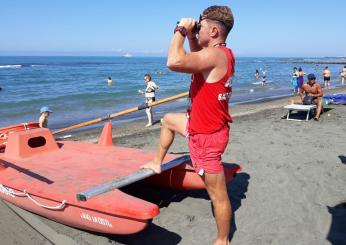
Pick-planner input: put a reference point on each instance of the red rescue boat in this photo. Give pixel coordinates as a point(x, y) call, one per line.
point(4, 132)
point(78, 183)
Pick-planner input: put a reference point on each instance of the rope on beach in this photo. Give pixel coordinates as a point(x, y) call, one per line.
point(11, 192)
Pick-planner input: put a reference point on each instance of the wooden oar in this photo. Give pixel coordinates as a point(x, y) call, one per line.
point(124, 112)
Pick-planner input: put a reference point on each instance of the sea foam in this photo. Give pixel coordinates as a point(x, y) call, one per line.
point(10, 66)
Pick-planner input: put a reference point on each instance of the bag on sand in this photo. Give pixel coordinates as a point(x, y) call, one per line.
point(307, 100)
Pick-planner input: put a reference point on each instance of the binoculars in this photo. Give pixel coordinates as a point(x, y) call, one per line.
point(195, 28)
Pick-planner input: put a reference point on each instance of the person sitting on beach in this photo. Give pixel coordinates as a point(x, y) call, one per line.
point(43, 120)
point(311, 92)
point(149, 97)
point(206, 123)
point(326, 77)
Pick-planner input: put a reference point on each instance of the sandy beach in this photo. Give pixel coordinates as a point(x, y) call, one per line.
point(291, 189)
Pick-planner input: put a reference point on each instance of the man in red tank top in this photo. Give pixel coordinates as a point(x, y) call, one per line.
point(206, 123)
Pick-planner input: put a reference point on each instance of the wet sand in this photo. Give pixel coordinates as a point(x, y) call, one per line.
point(291, 189)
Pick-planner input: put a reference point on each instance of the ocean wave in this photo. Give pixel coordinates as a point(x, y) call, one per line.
point(10, 66)
point(37, 65)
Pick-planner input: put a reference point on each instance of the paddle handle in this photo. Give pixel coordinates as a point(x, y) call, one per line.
point(129, 179)
point(124, 112)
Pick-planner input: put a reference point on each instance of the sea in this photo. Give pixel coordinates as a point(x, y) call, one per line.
point(76, 88)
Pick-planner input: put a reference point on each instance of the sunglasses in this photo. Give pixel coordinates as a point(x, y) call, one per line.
point(198, 25)
point(203, 17)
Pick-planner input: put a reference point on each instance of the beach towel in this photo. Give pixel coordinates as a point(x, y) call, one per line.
point(335, 98)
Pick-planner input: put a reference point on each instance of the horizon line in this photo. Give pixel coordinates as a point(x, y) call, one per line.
point(154, 56)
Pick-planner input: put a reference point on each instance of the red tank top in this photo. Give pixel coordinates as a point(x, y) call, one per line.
point(209, 101)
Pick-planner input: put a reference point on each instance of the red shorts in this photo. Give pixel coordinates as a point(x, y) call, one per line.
point(206, 150)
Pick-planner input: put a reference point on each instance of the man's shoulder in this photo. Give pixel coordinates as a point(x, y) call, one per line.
point(317, 84)
point(214, 54)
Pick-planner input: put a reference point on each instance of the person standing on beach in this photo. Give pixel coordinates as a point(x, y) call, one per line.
point(294, 80)
point(43, 120)
point(343, 75)
point(326, 77)
point(149, 97)
point(300, 78)
point(206, 123)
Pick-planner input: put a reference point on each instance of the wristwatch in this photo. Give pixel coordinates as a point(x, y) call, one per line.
point(181, 29)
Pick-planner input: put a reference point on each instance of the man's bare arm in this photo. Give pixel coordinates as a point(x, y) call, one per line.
point(181, 61)
point(194, 46)
point(194, 62)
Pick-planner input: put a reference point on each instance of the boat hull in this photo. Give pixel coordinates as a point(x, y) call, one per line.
point(79, 217)
point(44, 176)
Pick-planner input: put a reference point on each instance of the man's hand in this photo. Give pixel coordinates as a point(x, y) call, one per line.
point(188, 23)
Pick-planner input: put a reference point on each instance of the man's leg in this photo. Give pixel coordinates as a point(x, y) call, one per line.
point(318, 103)
point(150, 116)
point(296, 100)
point(217, 190)
point(172, 122)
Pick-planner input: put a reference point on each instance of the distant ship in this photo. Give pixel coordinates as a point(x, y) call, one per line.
point(127, 55)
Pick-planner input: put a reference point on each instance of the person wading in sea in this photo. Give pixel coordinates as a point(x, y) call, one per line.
point(206, 123)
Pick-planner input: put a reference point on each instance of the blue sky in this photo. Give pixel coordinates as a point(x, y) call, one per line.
point(110, 27)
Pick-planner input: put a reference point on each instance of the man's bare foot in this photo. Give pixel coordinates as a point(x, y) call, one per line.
point(149, 124)
point(221, 242)
point(156, 167)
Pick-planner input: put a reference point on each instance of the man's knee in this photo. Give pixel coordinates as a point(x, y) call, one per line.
point(216, 187)
point(168, 120)
point(319, 101)
point(219, 197)
point(172, 119)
